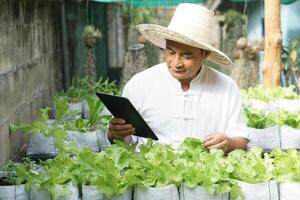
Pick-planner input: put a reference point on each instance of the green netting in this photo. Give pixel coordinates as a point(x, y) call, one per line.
point(108, 1)
point(287, 1)
point(282, 1)
point(174, 2)
point(160, 2)
point(242, 1)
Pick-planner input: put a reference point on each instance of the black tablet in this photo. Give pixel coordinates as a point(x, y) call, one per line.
point(121, 107)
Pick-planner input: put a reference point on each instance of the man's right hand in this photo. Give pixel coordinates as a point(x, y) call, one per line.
point(119, 129)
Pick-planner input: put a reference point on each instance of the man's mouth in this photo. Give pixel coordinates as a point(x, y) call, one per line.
point(179, 71)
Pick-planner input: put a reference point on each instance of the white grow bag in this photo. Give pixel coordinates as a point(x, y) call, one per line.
point(91, 193)
point(72, 107)
point(44, 195)
point(290, 137)
point(40, 144)
point(262, 105)
point(169, 192)
point(267, 138)
point(290, 105)
point(260, 191)
point(88, 139)
point(86, 111)
point(289, 190)
point(13, 192)
point(199, 193)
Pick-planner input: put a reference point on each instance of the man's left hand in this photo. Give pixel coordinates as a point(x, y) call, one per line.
point(218, 141)
point(221, 141)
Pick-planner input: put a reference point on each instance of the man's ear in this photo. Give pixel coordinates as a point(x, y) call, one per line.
point(206, 54)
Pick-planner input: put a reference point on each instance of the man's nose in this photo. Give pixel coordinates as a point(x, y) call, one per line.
point(177, 61)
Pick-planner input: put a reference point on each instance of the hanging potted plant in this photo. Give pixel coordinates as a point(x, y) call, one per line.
point(91, 35)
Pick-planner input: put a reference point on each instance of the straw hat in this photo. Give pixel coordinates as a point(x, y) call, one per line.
point(191, 24)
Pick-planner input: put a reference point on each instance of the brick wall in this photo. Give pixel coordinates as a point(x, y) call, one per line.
point(30, 65)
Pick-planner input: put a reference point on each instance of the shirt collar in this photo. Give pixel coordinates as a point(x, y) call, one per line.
point(194, 85)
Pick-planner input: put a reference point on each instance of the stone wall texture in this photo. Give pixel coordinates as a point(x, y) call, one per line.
point(30, 65)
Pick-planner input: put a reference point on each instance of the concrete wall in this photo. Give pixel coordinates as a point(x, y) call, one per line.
point(30, 65)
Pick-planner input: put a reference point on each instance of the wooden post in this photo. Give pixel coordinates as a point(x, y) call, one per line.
point(271, 66)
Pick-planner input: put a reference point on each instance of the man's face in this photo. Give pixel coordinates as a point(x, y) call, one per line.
point(184, 62)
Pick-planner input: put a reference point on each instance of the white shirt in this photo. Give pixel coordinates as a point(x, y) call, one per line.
point(212, 104)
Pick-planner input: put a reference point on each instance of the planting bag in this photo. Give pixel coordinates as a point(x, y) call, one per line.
point(91, 193)
point(127, 195)
point(44, 195)
point(267, 138)
point(261, 191)
point(13, 192)
point(72, 107)
point(198, 193)
point(290, 105)
point(40, 144)
point(88, 139)
point(168, 192)
point(36, 194)
point(290, 137)
point(86, 111)
point(74, 193)
point(262, 105)
point(289, 191)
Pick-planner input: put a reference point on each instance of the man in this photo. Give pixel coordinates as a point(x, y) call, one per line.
point(182, 97)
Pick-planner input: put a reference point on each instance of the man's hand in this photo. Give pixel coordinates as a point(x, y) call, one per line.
point(118, 129)
point(221, 141)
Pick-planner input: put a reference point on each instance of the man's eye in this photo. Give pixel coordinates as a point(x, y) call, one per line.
point(171, 52)
point(187, 56)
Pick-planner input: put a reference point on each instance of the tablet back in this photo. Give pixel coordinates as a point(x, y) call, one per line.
point(121, 107)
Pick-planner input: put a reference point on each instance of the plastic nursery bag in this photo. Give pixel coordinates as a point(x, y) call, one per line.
point(13, 192)
point(72, 107)
point(261, 191)
point(44, 195)
point(91, 192)
point(87, 139)
point(262, 105)
point(290, 105)
point(169, 192)
point(199, 192)
point(267, 138)
point(290, 137)
point(289, 191)
point(40, 144)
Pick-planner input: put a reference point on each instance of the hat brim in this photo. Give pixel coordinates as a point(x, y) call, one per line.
point(158, 35)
